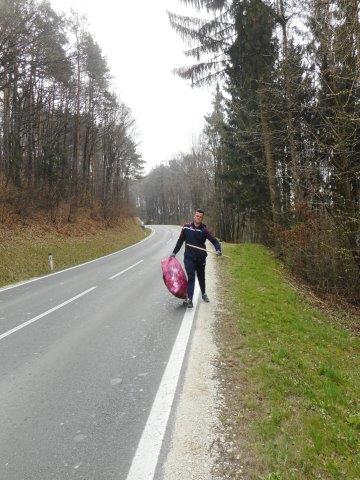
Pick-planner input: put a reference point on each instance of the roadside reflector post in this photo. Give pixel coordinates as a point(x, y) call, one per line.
point(51, 261)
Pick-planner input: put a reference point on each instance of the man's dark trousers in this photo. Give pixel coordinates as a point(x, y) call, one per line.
point(195, 265)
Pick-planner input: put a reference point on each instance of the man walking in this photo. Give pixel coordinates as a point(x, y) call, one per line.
point(195, 233)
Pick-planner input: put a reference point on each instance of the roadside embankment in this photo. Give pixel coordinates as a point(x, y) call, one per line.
point(24, 250)
point(289, 372)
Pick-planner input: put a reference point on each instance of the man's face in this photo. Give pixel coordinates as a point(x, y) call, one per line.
point(198, 218)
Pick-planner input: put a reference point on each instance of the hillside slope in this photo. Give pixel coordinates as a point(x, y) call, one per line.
point(24, 250)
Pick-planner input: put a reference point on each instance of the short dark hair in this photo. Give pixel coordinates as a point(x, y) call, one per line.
point(200, 210)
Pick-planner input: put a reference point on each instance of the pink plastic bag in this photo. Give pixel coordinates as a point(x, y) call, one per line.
point(174, 277)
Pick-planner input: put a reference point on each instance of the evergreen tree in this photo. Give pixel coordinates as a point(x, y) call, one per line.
point(289, 138)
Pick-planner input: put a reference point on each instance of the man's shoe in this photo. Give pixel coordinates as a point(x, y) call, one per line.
point(205, 298)
point(188, 303)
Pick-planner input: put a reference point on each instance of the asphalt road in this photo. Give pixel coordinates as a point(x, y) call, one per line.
point(82, 353)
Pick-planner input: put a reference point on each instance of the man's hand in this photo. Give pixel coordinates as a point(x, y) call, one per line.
point(172, 255)
point(218, 253)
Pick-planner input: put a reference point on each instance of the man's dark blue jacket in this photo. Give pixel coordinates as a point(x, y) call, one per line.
point(195, 236)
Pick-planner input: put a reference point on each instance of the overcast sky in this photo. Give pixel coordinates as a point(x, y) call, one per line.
point(142, 50)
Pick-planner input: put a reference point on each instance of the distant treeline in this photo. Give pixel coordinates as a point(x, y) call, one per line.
point(66, 140)
point(283, 140)
point(170, 192)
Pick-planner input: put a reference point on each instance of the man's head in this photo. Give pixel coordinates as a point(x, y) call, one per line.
point(198, 217)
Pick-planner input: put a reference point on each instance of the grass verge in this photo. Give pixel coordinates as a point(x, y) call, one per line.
point(24, 251)
point(293, 376)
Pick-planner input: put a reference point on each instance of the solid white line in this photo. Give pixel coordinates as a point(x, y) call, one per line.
point(76, 266)
point(126, 269)
point(146, 457)
point(32, 320)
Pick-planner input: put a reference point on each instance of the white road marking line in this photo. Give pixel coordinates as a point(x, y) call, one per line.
point(3, 289)
point(170, 239)
point(126, 269)
point(146, 456)
point(32, 320)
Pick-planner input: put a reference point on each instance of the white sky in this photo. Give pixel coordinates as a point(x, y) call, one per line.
point(142, 50)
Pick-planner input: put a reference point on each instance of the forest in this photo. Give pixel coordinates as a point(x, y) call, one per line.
point(67, 142)
point(278, 161)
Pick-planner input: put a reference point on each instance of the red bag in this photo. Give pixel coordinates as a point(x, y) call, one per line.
point(174, 277)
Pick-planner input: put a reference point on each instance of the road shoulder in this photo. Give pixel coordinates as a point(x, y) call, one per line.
point(192, 452)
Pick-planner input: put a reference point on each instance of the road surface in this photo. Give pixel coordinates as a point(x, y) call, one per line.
point(82, 355)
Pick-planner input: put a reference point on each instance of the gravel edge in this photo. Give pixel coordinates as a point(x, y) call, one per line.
point(193, 446)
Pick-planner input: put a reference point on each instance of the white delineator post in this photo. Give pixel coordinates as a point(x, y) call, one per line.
point(51, 262)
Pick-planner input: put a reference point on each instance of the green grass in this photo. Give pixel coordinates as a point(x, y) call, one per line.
point(302, 375)
point(24, 252)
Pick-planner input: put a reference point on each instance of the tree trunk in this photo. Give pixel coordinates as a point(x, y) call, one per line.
point(270, 161)
point(294, 150)
point(74, 177)
point(6, 132)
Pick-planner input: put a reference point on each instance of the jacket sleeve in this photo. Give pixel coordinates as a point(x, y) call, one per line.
point(213, 240)
point(180, 241)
